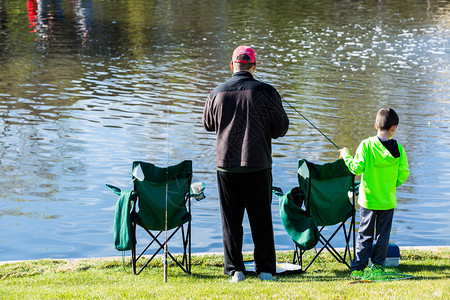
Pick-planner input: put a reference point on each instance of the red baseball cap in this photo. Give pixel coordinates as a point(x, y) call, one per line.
point(244, 50)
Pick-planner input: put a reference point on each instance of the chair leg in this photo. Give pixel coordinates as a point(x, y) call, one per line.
point(295, 258)
point(185, 258)
point(188, 246)
point(185, 263)
point(133, 259)
point(298, 253)
point(298, 257)
point(331, 249)
point(354, 233)
point(188, 200)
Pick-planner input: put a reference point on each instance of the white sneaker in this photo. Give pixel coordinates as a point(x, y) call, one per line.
point(267, 277)
point(238, 277)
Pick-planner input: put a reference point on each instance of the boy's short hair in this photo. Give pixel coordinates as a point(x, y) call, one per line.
point(243, 66)
point(386, 118)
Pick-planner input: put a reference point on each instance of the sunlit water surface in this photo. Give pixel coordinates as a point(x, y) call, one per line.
point(88, 86)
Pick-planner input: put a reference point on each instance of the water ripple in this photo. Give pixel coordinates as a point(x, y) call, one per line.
point(78, 105)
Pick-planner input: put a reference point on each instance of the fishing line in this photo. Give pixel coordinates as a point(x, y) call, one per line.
point(303, 117)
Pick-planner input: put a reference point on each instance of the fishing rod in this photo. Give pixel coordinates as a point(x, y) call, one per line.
point(310, 122)
point(304, 117)
point(167, 197)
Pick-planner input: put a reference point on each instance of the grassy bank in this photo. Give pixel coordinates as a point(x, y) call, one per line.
point(108, 278)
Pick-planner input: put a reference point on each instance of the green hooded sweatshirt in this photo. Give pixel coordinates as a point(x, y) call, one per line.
point(381, 173)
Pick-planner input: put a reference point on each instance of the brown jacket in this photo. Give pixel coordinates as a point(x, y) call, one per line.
point(245, 114)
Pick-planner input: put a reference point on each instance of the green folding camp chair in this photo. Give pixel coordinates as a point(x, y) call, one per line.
point(321, 200)
point(162, 202)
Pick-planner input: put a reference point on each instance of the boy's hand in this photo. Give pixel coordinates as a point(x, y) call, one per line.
point(342, 151)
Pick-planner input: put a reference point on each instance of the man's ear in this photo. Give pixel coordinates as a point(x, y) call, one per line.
point(231, 65)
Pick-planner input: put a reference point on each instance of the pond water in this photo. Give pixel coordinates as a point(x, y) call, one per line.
point(88, 86)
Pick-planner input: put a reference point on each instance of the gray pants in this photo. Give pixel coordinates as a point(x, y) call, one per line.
point(381, 220)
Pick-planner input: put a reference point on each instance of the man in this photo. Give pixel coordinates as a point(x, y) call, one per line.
point(245, 114)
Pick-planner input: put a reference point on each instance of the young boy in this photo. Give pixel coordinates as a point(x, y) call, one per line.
point(384, 166)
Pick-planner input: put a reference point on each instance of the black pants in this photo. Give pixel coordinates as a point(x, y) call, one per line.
point(371, 219)
point(251, 192)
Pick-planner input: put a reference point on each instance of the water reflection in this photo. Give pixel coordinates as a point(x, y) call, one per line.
point(88, 86)
point(49, 21)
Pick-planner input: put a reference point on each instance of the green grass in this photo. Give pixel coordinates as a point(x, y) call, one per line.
point(107, 278)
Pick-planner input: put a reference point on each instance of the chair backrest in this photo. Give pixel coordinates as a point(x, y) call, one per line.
point(326, 188)
point(157, 186)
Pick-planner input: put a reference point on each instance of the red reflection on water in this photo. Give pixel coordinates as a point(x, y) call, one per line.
point(32, 8)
